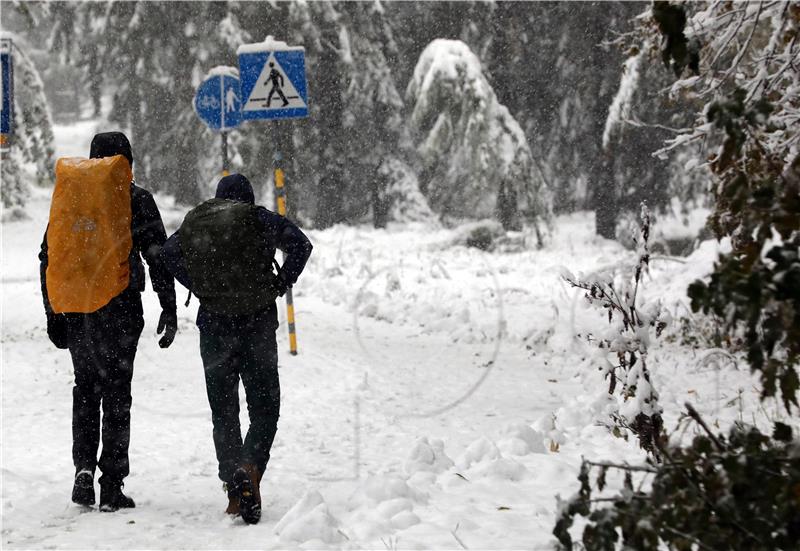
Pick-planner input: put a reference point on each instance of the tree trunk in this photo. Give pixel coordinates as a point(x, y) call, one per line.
point(605, 199)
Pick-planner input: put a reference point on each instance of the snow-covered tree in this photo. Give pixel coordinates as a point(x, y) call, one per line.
point(31, 158)
point(474, 154)
point(379, 148)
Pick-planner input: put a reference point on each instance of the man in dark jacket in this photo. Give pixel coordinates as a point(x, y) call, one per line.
point(103, 345)
point(243, 346)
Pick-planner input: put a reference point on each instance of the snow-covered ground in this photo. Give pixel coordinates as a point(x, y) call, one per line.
point(423, 411)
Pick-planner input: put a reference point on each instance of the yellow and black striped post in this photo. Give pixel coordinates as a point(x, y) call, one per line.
point(280, 199)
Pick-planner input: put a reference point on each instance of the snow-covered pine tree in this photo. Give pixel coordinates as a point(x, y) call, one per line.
point(153, 54)
point(640, 118)
point(379, 151)
point(31, 158)
point(549, 68)
point(321, 146)
point(474, 154)
point(420, 23)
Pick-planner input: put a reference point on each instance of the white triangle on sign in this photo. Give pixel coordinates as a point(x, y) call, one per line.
point(273, 90)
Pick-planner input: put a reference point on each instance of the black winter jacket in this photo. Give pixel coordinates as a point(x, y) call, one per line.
point(282, 234)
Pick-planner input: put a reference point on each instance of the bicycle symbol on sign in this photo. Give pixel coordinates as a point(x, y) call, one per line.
point(209, 102)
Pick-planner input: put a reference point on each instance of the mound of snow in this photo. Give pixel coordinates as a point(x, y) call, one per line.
point(376, 490)
point(309, 519)
point(383, 504)
point(502, 468)
point(481, 449)
point(521, 439)
point(482, 459)
point(427, 456)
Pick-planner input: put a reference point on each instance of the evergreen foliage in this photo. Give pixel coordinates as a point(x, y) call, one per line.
point(474, 154)
point(556, 75)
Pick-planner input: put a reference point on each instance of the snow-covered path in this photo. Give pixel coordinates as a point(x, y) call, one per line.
point(385, 438)
point(347, 414)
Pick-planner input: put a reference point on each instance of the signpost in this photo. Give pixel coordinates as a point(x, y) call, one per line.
point(273, 87)
point(6, 94)
point(217, 103)
point(269, 85)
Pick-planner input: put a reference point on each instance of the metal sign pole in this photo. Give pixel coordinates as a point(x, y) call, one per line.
point(273, 87)
point(280, 198)
point(225, 162)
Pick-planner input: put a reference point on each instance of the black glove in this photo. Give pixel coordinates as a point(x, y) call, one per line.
point(168, 323)
point(280, 284)
point(57, 330)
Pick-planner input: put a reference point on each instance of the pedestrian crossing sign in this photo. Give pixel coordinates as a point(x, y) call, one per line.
point(273, 81)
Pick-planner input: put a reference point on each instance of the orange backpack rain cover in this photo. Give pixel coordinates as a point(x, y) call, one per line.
point(89, 234)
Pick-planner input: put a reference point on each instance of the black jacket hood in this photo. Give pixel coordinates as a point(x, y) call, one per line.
point(108, 144)
point(236, 188)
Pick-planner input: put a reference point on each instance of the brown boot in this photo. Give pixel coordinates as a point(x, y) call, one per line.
point(246, 482)
point(255, 477)
point(233, 504)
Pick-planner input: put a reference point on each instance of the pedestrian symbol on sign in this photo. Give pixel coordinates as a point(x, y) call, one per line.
point(277, 83)
point(273, 85)
point(230, 100)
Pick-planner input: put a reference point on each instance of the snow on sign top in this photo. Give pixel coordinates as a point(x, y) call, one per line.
point(269, 45)
point(222, 71)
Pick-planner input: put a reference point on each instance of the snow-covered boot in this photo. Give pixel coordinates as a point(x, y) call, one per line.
point(112, 498)
point(83, 489)
point(249, 503)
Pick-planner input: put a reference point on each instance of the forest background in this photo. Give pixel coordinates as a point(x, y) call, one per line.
point(372, 138)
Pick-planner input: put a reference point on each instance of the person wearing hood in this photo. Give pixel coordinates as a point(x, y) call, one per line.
point(224, 254)
point(103, 345)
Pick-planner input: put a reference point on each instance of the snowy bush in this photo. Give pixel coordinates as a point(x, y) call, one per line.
point(476, 160)
point(740, 492)
point(632, 321)
point(737, 492)
point(744, 92)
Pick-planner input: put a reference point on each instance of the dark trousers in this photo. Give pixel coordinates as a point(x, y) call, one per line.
point(103, 346)
point(241, 348)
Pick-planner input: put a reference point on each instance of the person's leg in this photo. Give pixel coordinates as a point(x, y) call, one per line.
point(123, 323)
point(259, 374)
point(85, 412)
point(220, 363)
point(85, 403)
point(114, 460)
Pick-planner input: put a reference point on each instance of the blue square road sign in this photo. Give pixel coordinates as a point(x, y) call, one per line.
point(273, 81)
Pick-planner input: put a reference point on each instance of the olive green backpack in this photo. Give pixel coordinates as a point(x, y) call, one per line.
point(227, 257)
